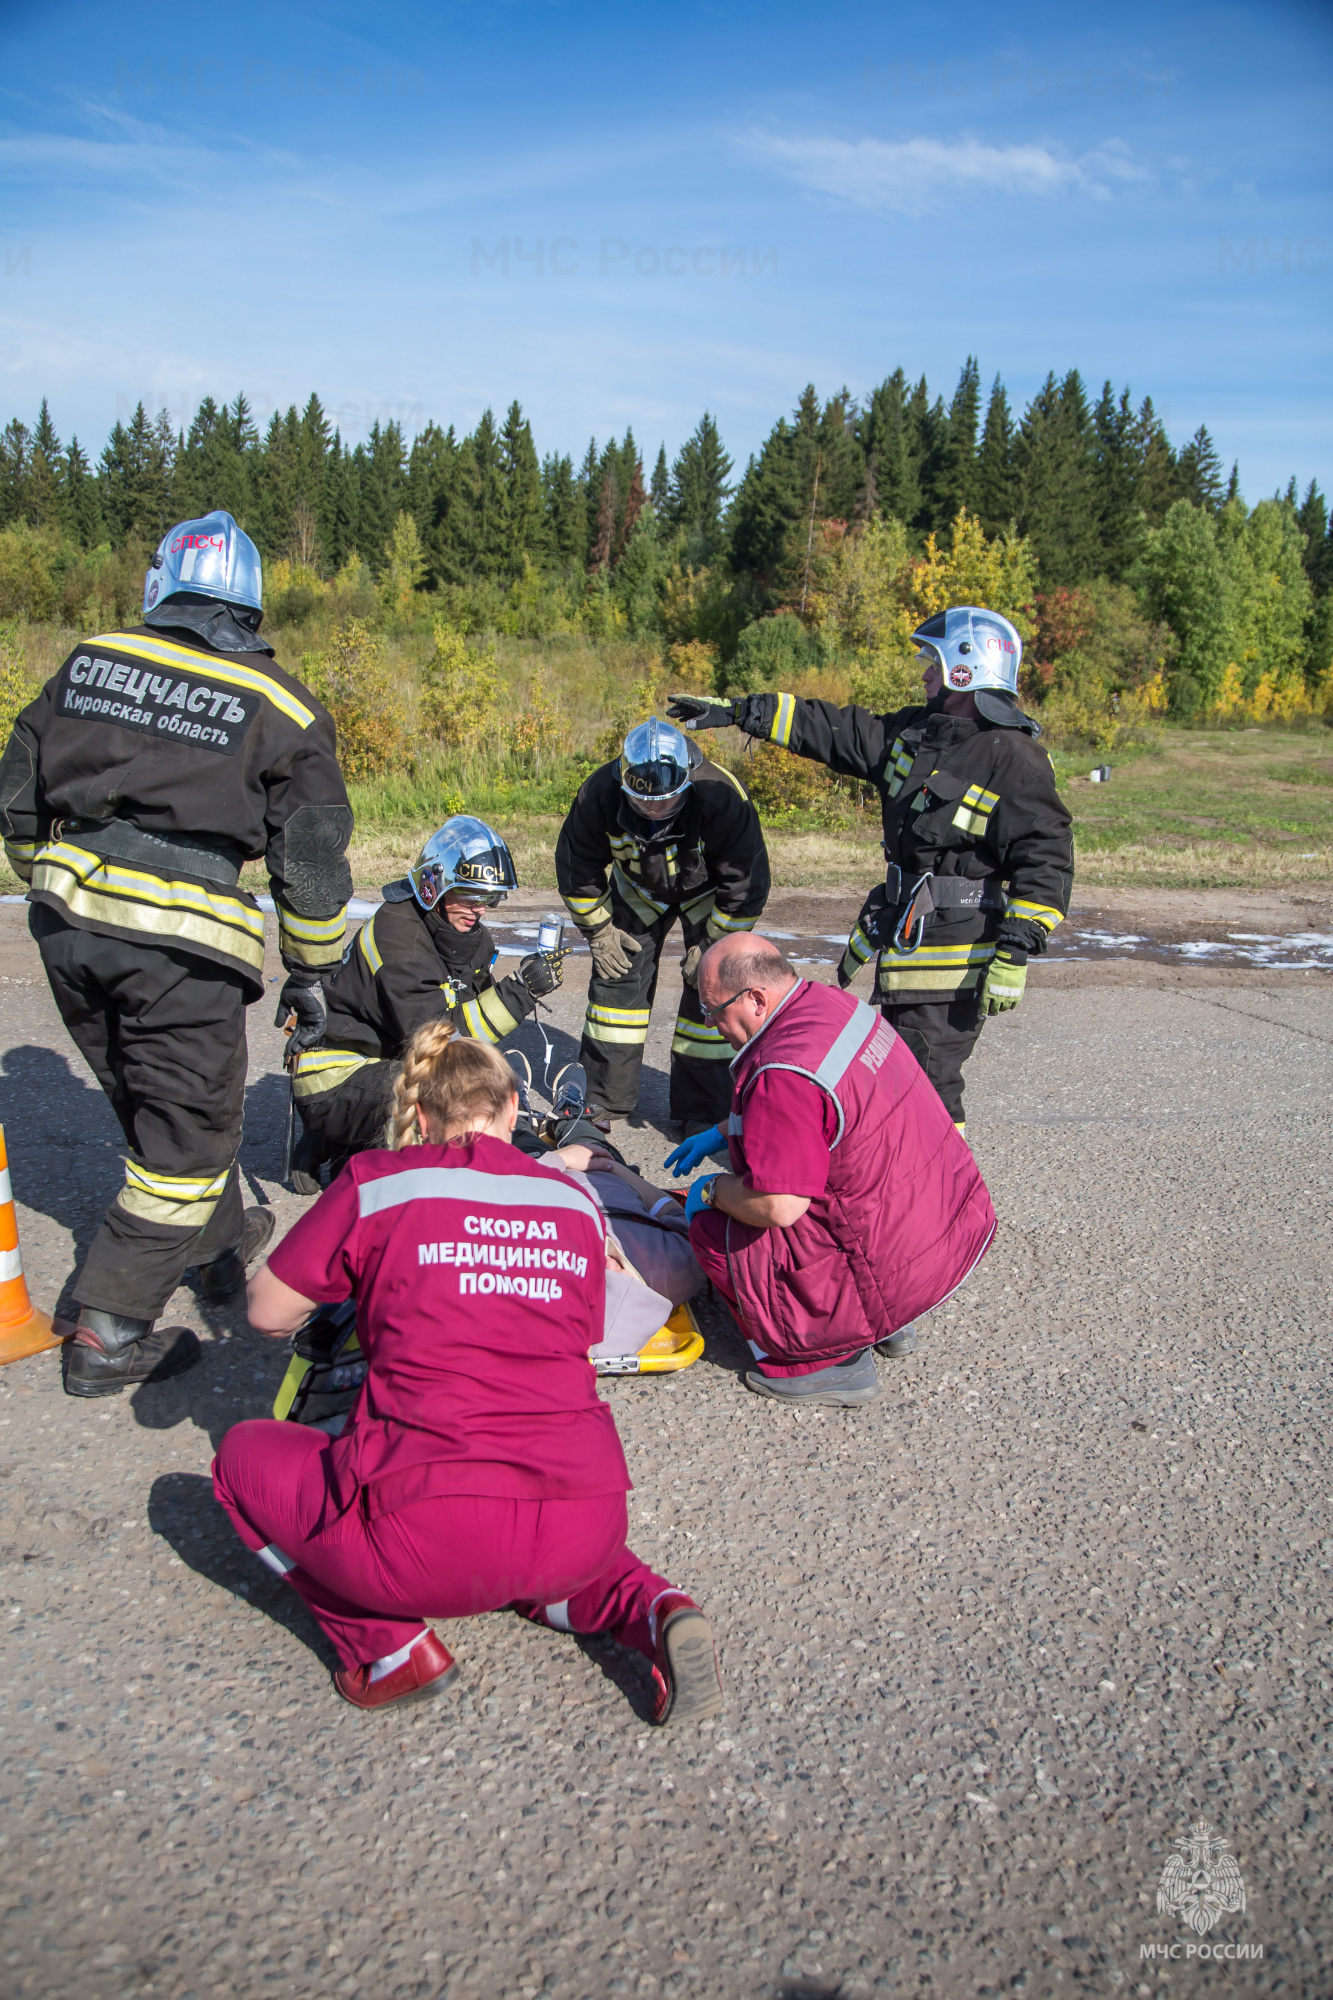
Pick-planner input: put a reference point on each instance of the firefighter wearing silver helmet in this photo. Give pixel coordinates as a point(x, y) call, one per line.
point(976, 839)
point(657, 834)
point(425, 955)
point(151, 767)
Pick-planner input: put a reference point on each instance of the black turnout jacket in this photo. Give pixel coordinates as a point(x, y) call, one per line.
point(709, 862)
point(148, 769)
point(960, 798)
point(407, 966)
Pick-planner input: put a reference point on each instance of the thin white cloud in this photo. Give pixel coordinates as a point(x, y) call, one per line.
point(911, 176)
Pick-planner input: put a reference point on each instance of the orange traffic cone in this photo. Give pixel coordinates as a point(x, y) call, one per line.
point(23, 1330)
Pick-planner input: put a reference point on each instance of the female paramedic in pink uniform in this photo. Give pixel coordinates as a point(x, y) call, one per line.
point(478, 1469)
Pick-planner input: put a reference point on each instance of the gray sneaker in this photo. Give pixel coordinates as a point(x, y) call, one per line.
point(898, 1344)
point(845, 1383)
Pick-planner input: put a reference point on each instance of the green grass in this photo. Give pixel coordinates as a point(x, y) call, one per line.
point(1250, 807)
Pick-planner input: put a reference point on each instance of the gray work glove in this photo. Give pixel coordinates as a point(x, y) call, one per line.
point(689, 965)
point(696, 711)
point(302, 995)
point(613, 952)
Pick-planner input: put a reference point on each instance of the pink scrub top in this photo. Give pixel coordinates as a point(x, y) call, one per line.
point(480, 1280)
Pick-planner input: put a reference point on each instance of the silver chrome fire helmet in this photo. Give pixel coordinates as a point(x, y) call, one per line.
point(975, 648)
point(465, 854)
point(655, 768)
point(210, 557)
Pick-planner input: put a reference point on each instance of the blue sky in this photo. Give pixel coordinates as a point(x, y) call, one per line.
point(625, 215)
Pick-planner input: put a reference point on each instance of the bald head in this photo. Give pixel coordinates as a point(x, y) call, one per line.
point(744, 978)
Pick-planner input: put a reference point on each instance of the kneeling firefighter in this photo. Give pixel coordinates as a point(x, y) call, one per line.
point(424, 956)
point(976, 838)
point(677, 836)
point(149, 768)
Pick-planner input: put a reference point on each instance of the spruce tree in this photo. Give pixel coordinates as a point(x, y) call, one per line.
point(660, 490)
point(1312, 518)
point(1115, 456)
point(337, 518)
point(996, 488)
point(1199, 473)
point(590, 486)
point(604, 541)
point(1054, 461)
point(85, 519)
point(522, 488)
point(886, 437)
point(565, 530)
point(1156, 480)
point(635, 501)
point(958, 473)
point(15, 469)
point(46, 491)
point(699, 488)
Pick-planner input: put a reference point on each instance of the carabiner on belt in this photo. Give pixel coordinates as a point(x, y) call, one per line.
point(912, 923)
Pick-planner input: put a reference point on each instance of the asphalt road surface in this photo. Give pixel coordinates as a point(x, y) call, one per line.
point(991, 1645)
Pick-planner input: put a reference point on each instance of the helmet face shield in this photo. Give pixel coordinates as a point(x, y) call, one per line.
point(467, 856)
point(655, 769)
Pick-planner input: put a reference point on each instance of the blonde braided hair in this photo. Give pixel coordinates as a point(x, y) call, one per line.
point(459, 1083)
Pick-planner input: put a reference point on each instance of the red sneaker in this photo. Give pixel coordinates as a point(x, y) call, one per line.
point(685, 1669)
point(427, 1671)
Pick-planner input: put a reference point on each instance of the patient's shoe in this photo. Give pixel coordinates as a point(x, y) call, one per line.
point(844, 1384)
point(686, 1682)
point(418, 1673)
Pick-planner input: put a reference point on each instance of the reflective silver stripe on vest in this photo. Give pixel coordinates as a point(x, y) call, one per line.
point(466, 1184)
point(851, 1039)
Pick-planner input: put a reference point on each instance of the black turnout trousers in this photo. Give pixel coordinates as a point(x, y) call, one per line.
point(941, 1033)
point(164, 1034)
point(353, 1115)
point(617, 1021)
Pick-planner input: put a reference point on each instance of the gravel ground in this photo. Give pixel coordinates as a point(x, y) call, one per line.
point(990, 1645)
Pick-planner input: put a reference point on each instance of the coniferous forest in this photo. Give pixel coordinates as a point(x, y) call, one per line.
point(1142, 582)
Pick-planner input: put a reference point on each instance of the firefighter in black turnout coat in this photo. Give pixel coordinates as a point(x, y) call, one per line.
point(424, 955)
point(976, 839)
point(658, 833)
point(150, 767)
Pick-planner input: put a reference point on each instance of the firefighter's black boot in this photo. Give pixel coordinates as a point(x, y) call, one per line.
point(226, 1274)
point(307, 1160)
point(110, 1352)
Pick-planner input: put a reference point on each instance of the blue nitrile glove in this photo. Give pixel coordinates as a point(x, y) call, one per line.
point(690, 1151)
point(694, 1200)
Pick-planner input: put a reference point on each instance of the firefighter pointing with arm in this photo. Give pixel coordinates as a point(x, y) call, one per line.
point(150, 767)
point(976, 839)
point(657, 833)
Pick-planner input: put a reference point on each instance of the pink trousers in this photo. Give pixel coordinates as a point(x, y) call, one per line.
point(371, 1584)
point(708, 1240)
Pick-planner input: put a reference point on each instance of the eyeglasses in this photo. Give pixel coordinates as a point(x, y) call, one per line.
point(711, 1013)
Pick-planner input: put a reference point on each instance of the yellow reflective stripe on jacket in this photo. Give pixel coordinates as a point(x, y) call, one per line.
point(721, 771)
point(900, 762)
point(1037, 913)
point(616, 1024)
point(318, 1070)
point(974, 809)
point(487, 1018)
point(698, 1039)
point(162, 653)
point(369, 949)
point(181, 1201)
point(590, 912)
point(20, 855)
point(721, 925)
point(944, 968)
point(784, 715)
point(109, 892)
point(859, 946)
point(312, 940)
point(643, 905)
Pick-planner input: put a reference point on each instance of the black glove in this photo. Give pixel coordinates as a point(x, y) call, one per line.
point(541, 972)
point(1023, 937)
point(303, 996)
point(696, 711)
